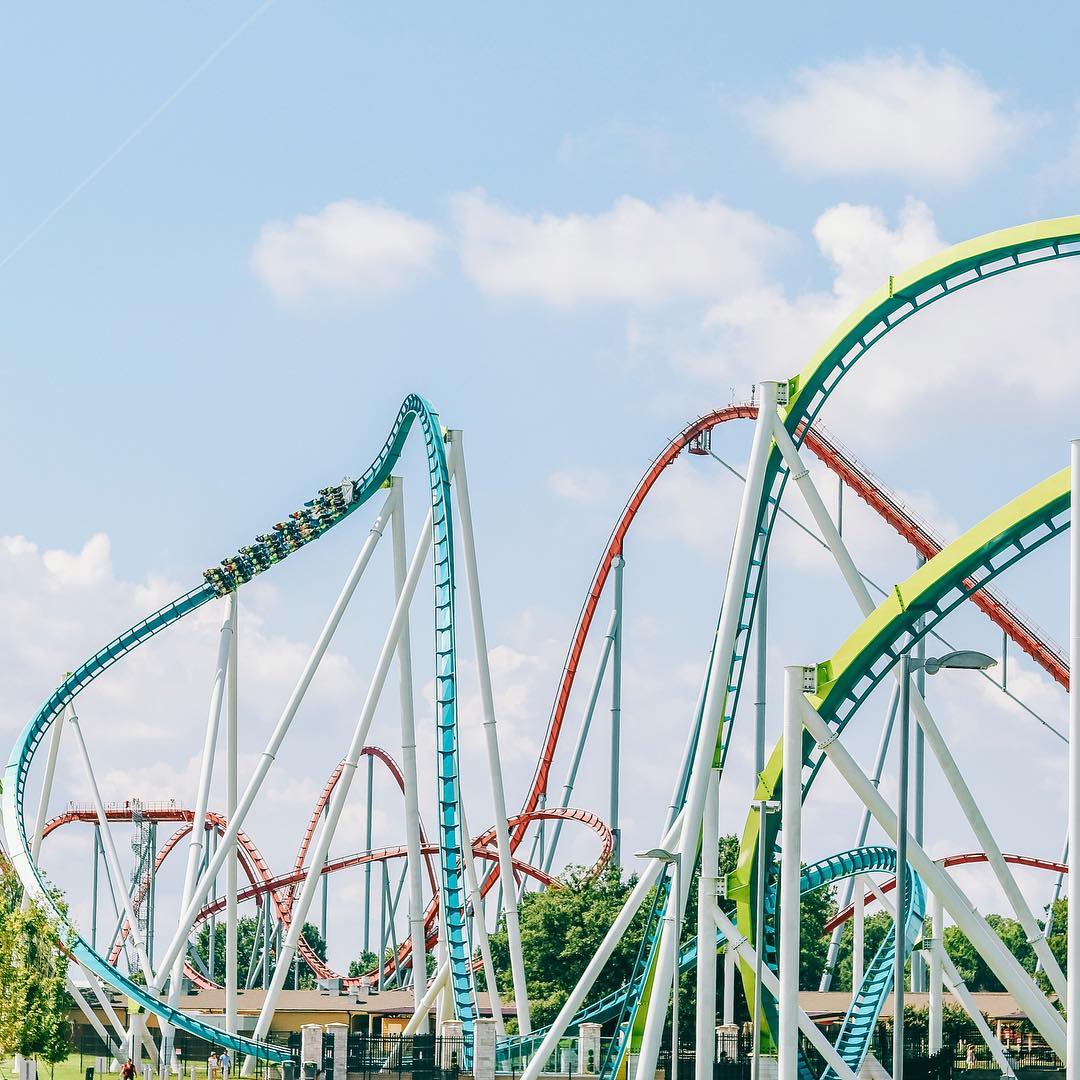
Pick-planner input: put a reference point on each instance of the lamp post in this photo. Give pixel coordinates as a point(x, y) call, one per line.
point(763, 807)
point(963, 659)
point(673, 858)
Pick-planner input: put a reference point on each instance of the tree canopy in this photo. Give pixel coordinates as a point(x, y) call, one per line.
point(246, 928)
point(33, 965)
point(561, 928)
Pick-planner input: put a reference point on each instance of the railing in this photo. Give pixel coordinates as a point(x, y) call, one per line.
point(564, 1060)
point(191, 1060)
point(428, 1056)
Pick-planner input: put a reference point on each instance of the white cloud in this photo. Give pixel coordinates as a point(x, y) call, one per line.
point(764, 333)
point(90, 567)
point(580, 485)
point(348, 248)
point(895, 113)
point(634, 253)
point(997, 347)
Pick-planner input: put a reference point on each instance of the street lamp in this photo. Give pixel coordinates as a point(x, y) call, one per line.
point(763, 807)
point(965, 660)
point(672, 858)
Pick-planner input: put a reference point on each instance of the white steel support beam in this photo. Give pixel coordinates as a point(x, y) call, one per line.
point(341, 791)
point(106, 1005)
point(231, 735)
point(1072, 963)
point(491, 734)
point(932, 734)
point(713, 710)
point(414, 864)
point(195, 855)
point(266, 758)
point(858, 938)
point(108, 843)
point(790, 873)
point(937, 947)
point(434, 988)
point(47, 785)
point(582, 737)
point(729, 985)
point(957, 987)
point(962, 994)
point(748, 954)
point(599, 959)
point(89, 1013)
point(1004, 965)
point(617, 565)
point(479, 925)
point(860, 839)
point(705, 1014)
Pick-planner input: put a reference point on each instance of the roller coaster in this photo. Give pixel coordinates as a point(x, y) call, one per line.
point(741, 917)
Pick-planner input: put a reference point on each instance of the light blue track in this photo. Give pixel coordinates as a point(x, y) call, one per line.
point(857, 1030)
point(306, 525)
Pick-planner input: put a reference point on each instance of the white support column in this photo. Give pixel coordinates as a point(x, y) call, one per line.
point(47, 785)
point(414, 865)
point(967, 1002)
point(106, 1005)
point(108, 843)
point(860, 838)
point(231, 736)
point(1072, 963)
point(616, 710)
point(202, 795)
point(858, 938)
point(713, 710)
point(937, 946)
point(491, 735)
point(1004, 965)
point(599, 959)
point(582, 737)
point(420, 1013)
point(705, 1015)
point(318, 855)
point(266, 759)
point(91, 1016)
point(748, 955)
point(947, 762)
point(790, 873)
point(729, 986)
point(473, 885)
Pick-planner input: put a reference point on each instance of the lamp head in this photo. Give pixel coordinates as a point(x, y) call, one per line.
point(963, 659)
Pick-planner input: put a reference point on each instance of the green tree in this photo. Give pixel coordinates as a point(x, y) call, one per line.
point(972, 968)
point(875, 929)
point(246, 928)
point(1056, 925)
point(33, 999)
point(364, 962)
point(561, 928)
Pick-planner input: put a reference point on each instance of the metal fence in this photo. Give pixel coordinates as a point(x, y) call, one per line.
point(425, 1057)
point(186, 1055)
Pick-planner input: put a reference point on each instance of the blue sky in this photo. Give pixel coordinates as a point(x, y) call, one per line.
point(571, 229)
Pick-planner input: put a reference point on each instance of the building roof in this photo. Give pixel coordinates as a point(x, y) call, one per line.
point(998, 1006)
point(386, 1003)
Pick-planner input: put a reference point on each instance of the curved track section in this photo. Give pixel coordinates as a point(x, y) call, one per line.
point(969, 858)
point(871, 652)
point(329, 508)
point(877, 983)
